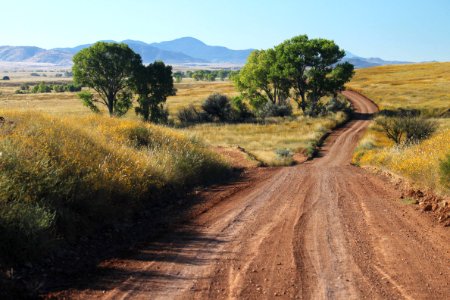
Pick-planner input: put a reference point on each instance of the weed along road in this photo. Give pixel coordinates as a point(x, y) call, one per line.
point(321, 230)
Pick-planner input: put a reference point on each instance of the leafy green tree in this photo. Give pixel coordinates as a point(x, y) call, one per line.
point(178, 76)
point(211, 77)
point(108, 68)
point(222, 74)
point(262, 79)
point(313, 69)
point(153, 85)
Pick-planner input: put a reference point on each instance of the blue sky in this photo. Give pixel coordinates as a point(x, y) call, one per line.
point(396, 29)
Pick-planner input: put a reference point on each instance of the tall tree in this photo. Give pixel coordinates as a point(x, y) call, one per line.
point(261, 79)
point(326, 76)
point(153, 85)
point(313, 69)
point(108, 68)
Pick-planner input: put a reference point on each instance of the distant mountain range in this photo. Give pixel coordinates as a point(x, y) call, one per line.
point(186, 50)
point(180, 51)
point(361, 62)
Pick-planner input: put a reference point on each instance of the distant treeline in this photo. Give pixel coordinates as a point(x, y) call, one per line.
point(204, 75)
point(48, 88)
point(65, 74)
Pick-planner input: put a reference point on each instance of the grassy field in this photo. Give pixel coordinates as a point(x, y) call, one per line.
point(188, 92)
point(265, 140)
point(419, 86)
point(296, 135)
point(425, 87)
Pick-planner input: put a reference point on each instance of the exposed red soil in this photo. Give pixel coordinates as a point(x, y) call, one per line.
point(322, 229)
point(236, 158)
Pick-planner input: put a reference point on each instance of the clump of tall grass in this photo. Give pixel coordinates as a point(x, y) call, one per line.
point(63, 178)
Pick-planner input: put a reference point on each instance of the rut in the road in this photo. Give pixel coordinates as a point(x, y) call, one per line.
point(324, 229)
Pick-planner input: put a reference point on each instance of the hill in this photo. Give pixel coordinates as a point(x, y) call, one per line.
point(185, 50)
point(361, 62)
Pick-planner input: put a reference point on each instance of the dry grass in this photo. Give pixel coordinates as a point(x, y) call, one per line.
point(263, 140)
point(65, 176)
point(425, 87)
point(260, 140)
point(188, 92)
point(420, 86)
point(192, 92)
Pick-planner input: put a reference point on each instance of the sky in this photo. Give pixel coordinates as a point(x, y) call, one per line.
point(409, 30)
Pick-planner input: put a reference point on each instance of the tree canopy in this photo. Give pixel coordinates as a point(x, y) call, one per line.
point(154, 84)
point(300, 68)
point(109, 69)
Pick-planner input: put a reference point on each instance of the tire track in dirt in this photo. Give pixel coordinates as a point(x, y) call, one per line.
point(320, 230)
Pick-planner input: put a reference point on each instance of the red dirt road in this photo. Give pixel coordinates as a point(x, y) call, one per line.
point(320, 230)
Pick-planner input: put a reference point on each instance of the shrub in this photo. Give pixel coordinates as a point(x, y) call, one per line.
point(72, 88)
point(335, 104)
point(5, 77)
point(407, 129)
point(41, 88)
point(218, 107)
point(190, 115)
point(270, 109)
point(417, 129)
point(241, 112)
point(283, 153)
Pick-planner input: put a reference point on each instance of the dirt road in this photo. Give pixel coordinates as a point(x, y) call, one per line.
point(320, 230)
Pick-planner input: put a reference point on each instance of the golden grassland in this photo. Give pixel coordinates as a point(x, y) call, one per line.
point(188, 92)
point(420, 163)
point(263, 140)
point(425, 87)
point(418, 86)
point(65, 176)
point(192, 92)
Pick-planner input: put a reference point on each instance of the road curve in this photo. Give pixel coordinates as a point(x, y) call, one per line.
point(321, 230)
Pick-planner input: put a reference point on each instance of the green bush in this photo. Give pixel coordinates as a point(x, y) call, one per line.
point(190, 115)
point(241, 112)
point(406, 129)
point(41, 88)
point(218, 107)
point(270, 109)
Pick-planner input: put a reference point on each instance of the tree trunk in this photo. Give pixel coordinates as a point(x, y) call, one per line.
point(111, 105)
point(303, 103)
